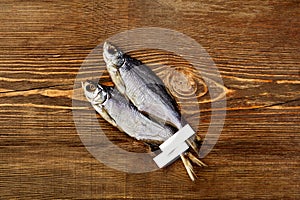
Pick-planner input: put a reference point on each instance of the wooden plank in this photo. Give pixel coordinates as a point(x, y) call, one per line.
point(255, 46)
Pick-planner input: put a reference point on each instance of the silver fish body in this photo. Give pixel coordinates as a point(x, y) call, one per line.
point(117, 110)
point(148, 93)
point(142, 86)
point(121, 113)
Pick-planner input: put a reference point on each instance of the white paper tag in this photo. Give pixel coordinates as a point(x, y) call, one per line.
point(174, 146)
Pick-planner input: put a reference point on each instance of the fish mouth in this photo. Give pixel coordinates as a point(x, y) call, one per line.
point(86, 94)
point(84, 84)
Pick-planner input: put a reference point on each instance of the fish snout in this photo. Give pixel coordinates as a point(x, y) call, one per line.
point(109, 48)
point(112, 55)
point(90, 89)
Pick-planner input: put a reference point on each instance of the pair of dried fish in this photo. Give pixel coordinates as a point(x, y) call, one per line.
point(141, 106)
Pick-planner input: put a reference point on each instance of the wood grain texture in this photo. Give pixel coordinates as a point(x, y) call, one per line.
point(255, 45)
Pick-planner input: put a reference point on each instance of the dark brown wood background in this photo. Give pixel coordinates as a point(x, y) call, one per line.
point(255, 45)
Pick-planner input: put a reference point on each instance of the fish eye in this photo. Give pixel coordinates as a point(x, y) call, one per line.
point(90, 87)
point(112, 50)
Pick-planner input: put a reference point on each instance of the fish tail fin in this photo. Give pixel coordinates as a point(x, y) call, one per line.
point(188, 166)
point(191, 142)
point(195, 142)
point(198, 139)
point(195, 160)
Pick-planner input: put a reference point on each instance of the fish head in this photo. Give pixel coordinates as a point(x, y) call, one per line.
point(113, 56)
point(95, 93)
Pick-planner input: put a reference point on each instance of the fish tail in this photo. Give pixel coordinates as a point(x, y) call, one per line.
point(195, 160)
point(195, 142)
point(188, 166)
point(191, 142)
point(198, 139)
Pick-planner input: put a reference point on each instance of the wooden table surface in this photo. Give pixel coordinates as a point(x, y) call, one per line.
point(254, 44)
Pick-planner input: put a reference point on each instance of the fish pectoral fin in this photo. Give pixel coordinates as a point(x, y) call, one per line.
point(119, 83)
point(117, 79)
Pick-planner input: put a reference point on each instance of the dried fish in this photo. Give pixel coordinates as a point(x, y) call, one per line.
point(143, 87)
point(121, 113)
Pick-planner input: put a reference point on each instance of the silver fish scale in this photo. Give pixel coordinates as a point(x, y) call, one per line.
point(148, 94)
point(133, 122)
